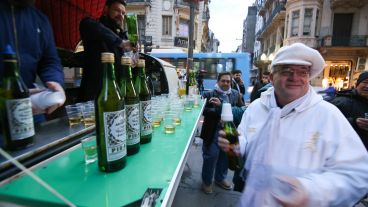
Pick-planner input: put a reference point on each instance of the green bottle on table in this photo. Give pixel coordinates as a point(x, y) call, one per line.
point(15, 105)
point(131, 107)
point(110, 120)
point(145, 103)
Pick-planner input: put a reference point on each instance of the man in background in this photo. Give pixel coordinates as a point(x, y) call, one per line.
point(215, 165)
point(256, 92)
point(237, 82)
point(354, 105)
point(105, 35)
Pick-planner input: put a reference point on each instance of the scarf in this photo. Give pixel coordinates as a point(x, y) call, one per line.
point(219, 90)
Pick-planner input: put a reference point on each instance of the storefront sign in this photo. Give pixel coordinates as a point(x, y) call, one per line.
point(181, 42)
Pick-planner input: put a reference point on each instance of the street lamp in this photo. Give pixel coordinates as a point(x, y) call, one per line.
point(264, 57)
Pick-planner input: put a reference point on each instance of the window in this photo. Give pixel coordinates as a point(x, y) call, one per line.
point(295, 23)
point(166, 25)
point(141, 26)
point(316, 31)
point(287, 26)
point(184, 28)
point(307, 21)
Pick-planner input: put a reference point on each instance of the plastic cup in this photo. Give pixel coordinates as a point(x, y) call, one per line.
point(88, 112)
point(90, 149)
point(169, 123)
point(188, 103)
point(74, 113)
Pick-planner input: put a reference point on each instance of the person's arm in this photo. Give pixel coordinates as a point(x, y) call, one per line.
point(49, 66)
point(344, 105)
point(343, 179)
point(237, 114)
point(242, 89)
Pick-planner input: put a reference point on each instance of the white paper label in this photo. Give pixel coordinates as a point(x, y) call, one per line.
point(115, 134)
point(132, 112)
point(146, 117)
point(20, 118)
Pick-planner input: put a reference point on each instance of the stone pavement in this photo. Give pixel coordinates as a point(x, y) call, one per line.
point(189, 192)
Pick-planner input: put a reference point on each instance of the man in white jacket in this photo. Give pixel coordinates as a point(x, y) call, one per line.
point(299, 149)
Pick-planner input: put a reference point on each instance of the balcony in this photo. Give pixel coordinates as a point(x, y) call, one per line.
point(277, 14)
point(347, 4)
point(353, 41)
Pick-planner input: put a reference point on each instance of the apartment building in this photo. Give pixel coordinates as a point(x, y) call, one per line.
point(164, 24)
point(338, 29)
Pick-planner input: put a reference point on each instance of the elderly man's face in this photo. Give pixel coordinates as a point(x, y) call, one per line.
point(290, 82)
point(225, 82)
point(116, 11)
point(362, 88)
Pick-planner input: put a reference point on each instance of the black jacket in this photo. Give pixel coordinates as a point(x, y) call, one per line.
point(353, 106)
point(98, 36)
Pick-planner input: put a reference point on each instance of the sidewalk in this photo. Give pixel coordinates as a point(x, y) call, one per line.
point(189, 192)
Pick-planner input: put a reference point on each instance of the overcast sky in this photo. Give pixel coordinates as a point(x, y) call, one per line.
point(226, 21)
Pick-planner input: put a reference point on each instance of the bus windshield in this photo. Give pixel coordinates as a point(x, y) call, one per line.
point(211, 64)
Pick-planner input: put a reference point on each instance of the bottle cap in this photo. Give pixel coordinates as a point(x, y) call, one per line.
point(126, 61)
point(8, 50)
point(226, 113)
point(141, 63)
point(107, 57)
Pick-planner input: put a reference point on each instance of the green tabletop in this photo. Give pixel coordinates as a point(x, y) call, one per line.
point(159, 164)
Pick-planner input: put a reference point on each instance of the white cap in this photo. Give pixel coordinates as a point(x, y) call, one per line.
point(299, 54)
point(226, 113)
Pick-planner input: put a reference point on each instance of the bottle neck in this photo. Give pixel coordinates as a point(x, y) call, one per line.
point(10, 66)
point(141, 72)
point(108, 71)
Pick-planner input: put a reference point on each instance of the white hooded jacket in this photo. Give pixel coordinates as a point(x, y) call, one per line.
point(308, 139)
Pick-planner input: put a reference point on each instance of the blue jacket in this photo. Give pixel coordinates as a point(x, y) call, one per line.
point(35, 48)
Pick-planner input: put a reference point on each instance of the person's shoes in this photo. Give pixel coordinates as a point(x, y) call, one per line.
point(224, 184)
point(207, 188)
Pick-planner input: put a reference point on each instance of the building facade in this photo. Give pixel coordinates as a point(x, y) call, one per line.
point(164, 24)
point(338, 29)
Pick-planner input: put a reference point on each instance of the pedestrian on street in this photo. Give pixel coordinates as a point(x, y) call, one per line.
point(256, 92)
point(237, 82)
point(300, 150)
point(354, 105)
point(215, 163)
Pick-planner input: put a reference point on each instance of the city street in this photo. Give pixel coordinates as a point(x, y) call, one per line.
point(189, 192)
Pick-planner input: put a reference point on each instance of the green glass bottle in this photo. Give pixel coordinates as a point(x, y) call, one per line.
point(110, 120)
point(131, 107)
point(15, 105)
point(144, 102)
point(234, 158)
point(132, 28)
